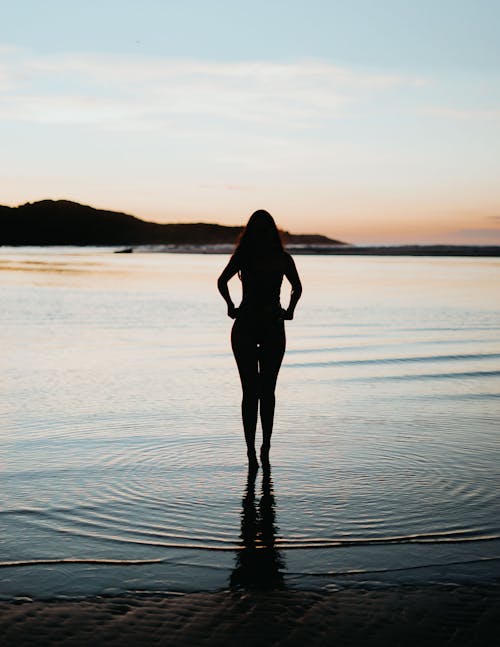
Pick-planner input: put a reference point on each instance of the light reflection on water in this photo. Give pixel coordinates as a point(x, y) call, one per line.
point(122, 441)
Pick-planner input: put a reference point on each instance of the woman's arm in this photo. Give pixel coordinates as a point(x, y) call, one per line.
point(293, 276)
point(228, 272)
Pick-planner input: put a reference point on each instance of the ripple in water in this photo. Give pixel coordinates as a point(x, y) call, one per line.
point(127, 453)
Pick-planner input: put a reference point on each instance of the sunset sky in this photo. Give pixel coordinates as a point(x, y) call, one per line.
point(369, 121)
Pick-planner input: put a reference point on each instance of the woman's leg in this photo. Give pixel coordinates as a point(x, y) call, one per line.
point(270, 357)
point(245, 352)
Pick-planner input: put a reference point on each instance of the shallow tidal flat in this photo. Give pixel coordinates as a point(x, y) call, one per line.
point(123, 456)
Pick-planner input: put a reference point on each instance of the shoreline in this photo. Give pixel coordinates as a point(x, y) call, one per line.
point(406, 615)
point(459, 251)
point(407, 250)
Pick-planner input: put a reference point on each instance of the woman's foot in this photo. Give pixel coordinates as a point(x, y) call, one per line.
point(253, 463)
point(264, 455)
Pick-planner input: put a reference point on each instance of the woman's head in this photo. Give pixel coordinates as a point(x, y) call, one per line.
point(260, 234)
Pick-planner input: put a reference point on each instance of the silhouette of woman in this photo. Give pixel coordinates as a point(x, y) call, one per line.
point(258, 334)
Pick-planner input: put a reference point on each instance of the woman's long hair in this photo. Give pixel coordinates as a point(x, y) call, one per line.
point(260, 236)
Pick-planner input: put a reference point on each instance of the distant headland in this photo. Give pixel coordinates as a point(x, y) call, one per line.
point(61, 222)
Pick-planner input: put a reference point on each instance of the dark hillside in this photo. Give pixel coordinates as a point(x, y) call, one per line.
point(61, 222)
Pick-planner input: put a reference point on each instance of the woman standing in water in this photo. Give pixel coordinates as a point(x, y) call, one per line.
point(258, 335)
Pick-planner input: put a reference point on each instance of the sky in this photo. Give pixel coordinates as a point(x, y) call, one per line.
point(371, 121)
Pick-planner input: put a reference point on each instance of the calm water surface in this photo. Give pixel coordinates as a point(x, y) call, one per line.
point(123, 460)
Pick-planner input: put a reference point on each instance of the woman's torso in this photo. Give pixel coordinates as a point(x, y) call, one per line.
point(261, 279)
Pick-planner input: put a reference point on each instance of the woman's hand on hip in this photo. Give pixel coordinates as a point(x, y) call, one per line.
point(232, 311)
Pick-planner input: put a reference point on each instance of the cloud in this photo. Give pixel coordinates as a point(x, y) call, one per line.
point(457, 113)
point(160, 93)
point(475, 235)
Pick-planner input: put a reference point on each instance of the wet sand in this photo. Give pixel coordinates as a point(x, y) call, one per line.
point(431, 615)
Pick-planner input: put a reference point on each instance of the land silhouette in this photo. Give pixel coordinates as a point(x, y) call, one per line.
point(62, 222)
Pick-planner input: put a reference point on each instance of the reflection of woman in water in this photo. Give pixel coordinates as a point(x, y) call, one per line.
point(258, 334)
point(259, 563)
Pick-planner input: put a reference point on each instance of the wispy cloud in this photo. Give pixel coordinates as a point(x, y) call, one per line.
point(239, 187)
point(158, 93)
point(457, 113)
point(482, 235)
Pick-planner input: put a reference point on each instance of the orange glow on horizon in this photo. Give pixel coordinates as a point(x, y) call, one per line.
point(353, 224)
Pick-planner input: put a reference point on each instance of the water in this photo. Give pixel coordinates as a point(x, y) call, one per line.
point(122, 450)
